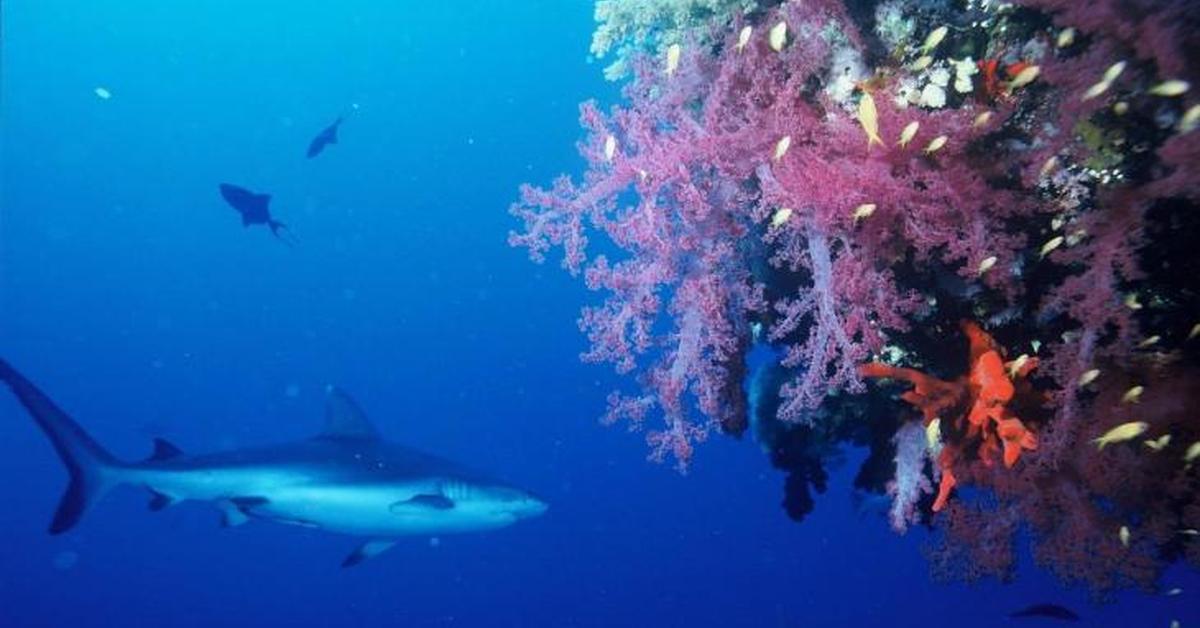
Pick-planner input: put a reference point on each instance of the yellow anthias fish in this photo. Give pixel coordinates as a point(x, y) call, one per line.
point(1194, 332)
point(610, 147)
point(1016, 365)
point(1050, 166)
point(1088, 377)
point(1133, 395)
point(1123, 534)
point(936, 144)
point(908, 133)
point(1065, 38)
point(1171, 88)
point(1096, 90)
point(781, 147)
point(863, 211)
point(1024, 77)
point(781, 216)
point(1114, 71)
point(1193, 452)
point(987, 264)
point(1158, 444)
point(743, 38)
point(1122, 433)
point(1131, 301)
point(673, 53)
point(1149, 342)
point(933, 434)
point(983, 118)
point(934, 38)
point(777, 36)
point(1190, 120)
point(1052, 244)
point(868, 117)
point(921, 63)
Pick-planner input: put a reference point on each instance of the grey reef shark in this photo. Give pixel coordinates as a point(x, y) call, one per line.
point(347, 479)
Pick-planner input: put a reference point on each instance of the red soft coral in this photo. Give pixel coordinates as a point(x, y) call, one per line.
point(973, 410)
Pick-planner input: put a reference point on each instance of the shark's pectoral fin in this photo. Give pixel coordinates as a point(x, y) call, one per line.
point(367, 550)
point(424, 501)
point(231, 514)
point(158, 500)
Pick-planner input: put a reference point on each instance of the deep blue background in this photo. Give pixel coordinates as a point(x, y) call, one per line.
point(133, 296)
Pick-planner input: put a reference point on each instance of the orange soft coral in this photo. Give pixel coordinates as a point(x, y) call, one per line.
point(973, 409)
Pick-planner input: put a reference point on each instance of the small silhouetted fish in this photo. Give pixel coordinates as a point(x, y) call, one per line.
point(326, 137)
point(1051, 611)
point(254, 209)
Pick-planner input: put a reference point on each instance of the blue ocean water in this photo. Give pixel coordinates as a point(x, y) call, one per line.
point(130, 293)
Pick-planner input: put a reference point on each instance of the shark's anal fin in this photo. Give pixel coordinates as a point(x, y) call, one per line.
point(423, 501)
point(371, 548)
point(164, 450)
point(158, 500)
point(231, 514)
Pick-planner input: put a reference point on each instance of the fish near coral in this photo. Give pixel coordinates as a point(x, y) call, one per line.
point(1121, 433)
point(868, 117)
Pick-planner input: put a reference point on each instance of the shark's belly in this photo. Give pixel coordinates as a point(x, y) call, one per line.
point(366, 511)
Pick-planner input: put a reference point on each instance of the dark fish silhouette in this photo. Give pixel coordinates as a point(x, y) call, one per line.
point(1052, 611)
point(325, 138)
point(254, 209)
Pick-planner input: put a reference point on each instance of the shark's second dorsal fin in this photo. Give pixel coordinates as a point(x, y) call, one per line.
point(344, 419)
point(164, 450)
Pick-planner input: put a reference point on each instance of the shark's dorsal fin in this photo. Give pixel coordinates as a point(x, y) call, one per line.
point(344, 419)
point(164, 450)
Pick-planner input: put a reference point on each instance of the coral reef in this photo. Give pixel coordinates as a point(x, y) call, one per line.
point(847, 187)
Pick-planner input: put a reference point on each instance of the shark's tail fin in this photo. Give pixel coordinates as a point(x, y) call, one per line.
point(90, 465)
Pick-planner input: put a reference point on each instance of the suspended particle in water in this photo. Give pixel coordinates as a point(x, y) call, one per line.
point(65, 560)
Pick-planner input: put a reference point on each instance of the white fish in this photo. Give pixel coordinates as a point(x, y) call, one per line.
point(743, 38)
point(1114, 71)
point(983, 118)
point(921, 63)
point(1066, 37)
point(102, 93)
point(987, 264)
point(1121, 433)
point(1123, 534)
point(863, 211)
point(673, 53)
point(1024, 77)
point(1190, 119)
point(781, 147)
point(934, 38)
point(781, 216)
point(610, 147)
point(777, 37)
point(1088, 377)
point(1170, 88)
point(1133, 395)
point(909, 132)
point(936, 144)
point(1051, 244)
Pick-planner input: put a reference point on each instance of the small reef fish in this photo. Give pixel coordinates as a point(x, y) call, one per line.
point(610, 147)
point(1051, 244)
point(864, 211)
point(1190, 532)
point(1194, 332)
point(1193, 452)
point(1050, 611)
point(1065, 38)
point(743, 38)
point(908, 133)
point(1016, 365)
point(781, 147)
point(102, 93)
point(1158, 444)
point(1123, 535)
point(987, 264)
point(934, 38)
point(1122, 433)
point(1026, 76)
point(1190, 120)
point(1133, 395)
point(1173, 592)
point(1110, 75)
point(983, 118)
point(781, 216)
point(1114, 71)
point(1088, 377)
point(1149, 342)
point(936, 144)
point(777, 36)
point(1171, 88)
point(921, 63)
point(1050, 166)
point(1131, 301)
point(868, 117)
point(933, 434)
point(673, 53)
